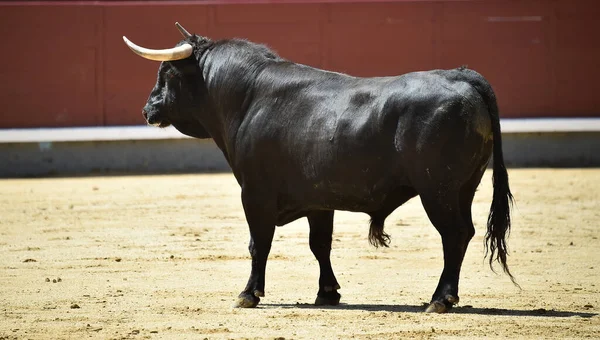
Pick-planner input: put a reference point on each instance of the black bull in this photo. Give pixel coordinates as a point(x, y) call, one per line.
point(303, 142)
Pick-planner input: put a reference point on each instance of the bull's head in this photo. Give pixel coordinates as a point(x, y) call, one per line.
point(179, 89)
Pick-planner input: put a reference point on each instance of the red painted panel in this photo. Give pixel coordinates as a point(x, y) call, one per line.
point(380, 12)
point(292, 30)
point(51, 78)
point(266, 14)
point(291, 41)
point(129, 78)
point(380, 39)
point(578, 53)
point(540, 56)
point(510, 44)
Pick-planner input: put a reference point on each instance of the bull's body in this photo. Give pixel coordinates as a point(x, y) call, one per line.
point(326, 141)
point(303, 142)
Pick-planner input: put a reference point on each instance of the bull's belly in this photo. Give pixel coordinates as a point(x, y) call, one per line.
point(357, 181)
point(347, 198)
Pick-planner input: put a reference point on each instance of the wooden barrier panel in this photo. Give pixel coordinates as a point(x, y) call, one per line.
point(65, 64)
point(51, 70)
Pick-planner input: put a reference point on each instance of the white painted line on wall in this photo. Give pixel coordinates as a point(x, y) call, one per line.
point(515, 18)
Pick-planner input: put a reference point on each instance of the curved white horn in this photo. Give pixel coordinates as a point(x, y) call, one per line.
point(169, 54)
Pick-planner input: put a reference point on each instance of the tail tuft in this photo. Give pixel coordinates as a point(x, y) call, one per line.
point(499, 222)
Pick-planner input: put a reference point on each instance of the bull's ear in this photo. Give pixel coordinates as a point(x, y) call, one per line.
point(201, 45)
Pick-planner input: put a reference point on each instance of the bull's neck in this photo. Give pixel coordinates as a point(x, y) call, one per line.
point(229, 94)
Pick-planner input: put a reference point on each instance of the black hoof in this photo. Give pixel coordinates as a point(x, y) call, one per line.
point(436, 307)
point(246, 300)
point(328, 299)
point(442, 306)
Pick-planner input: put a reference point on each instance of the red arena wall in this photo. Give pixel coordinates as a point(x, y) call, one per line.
point(65, 63)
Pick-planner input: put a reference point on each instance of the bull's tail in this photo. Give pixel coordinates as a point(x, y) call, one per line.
point(498, 224)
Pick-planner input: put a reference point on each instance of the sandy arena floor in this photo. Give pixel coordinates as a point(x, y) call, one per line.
point(165, 257)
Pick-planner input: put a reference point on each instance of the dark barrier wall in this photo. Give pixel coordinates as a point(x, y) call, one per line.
point(65, 64)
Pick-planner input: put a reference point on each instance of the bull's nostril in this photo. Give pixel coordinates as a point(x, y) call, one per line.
point(145, 114)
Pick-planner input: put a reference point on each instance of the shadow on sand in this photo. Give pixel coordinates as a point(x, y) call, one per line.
point(540, 312)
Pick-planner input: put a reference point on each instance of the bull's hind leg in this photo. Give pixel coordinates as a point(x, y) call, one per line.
point(444, 210)
point(321, 230)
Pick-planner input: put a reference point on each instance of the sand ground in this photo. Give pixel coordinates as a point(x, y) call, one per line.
point(139, 257)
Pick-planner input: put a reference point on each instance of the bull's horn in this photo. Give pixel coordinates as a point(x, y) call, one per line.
point(169, 54)
point(183, 31)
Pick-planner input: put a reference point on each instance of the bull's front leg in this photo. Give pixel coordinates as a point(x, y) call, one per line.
point(321, 229)
point(260, 214)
